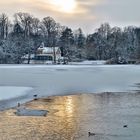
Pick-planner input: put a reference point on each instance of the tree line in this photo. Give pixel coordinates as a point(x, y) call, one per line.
point(25, 33)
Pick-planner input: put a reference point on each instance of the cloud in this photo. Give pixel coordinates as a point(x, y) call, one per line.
point(119, 11)
point(88, 13)
point(43, 5)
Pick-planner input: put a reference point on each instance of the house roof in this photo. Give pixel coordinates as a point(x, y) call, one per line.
point(26, 56)
point(48, 50)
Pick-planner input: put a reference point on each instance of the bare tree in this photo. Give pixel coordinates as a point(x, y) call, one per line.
point(25, 20)
point(51, 32)
point(36, 26)
point(3, 26)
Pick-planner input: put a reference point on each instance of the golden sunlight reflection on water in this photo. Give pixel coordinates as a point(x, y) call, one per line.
point(69, 106)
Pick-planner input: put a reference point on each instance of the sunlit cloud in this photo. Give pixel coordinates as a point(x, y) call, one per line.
point(73, 13)
point(68, 6)
point(62, 6)
point(85, 13)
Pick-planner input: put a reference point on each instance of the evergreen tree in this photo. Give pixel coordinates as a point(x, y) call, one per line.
point(67, 41)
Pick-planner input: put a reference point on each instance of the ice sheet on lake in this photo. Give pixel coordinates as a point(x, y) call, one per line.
point(68, 79)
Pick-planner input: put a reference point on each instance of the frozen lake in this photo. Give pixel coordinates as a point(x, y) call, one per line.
point(63, 80)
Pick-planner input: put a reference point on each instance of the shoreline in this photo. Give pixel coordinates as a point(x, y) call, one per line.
point(25, 99)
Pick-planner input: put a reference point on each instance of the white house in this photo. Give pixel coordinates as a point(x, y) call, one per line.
point(45, 55)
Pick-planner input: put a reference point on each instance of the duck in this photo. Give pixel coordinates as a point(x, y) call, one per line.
point(125, 126)
point(18, 104)
point(91, 134)
point(35, 97)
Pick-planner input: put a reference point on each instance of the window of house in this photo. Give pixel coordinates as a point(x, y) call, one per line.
point(50, 58)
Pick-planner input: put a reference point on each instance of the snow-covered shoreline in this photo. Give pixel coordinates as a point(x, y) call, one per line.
point(73, 65)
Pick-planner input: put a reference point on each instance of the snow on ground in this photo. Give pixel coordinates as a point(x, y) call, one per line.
point(47, 80)
point(97, 62)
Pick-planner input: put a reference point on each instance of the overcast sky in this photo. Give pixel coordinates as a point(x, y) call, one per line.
point(87, 14)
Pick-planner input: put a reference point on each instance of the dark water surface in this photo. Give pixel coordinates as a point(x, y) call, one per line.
point(72, 117)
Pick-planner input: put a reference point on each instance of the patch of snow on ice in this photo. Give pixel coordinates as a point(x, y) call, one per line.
point(8, 92)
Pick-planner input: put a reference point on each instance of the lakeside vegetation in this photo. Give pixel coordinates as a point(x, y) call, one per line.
point(25, 33)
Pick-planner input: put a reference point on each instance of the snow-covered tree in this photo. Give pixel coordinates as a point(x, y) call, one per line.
point(67, 42)
point(80, 43)
point(4, 23)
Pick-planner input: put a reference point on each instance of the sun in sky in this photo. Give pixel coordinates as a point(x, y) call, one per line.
point(67, 6)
